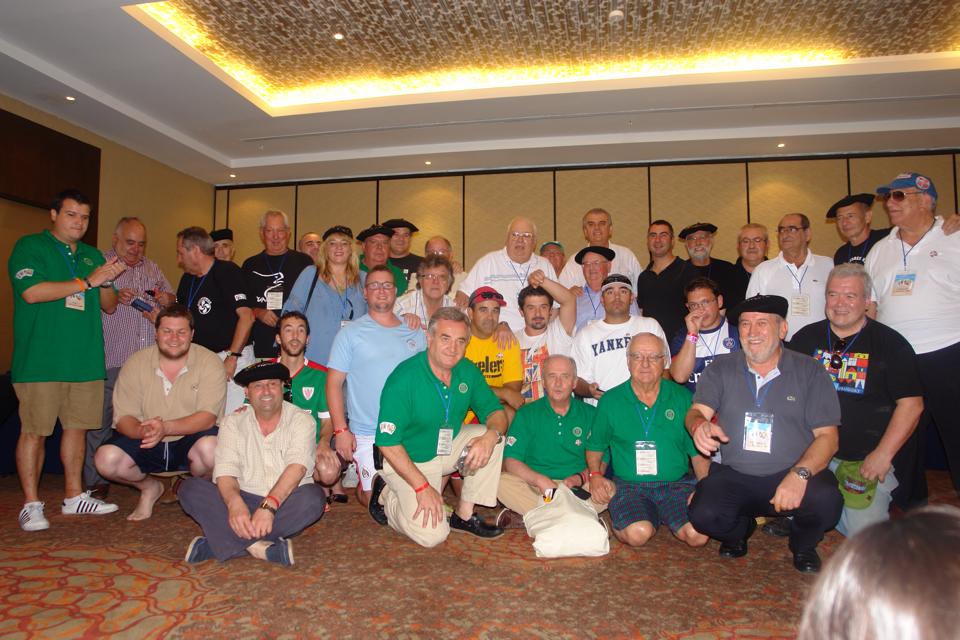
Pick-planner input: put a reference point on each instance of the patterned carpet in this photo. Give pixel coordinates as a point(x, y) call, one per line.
point(95, 577)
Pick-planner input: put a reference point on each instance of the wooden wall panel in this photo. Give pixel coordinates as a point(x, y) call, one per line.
point(866, 174)
point(798, 186)
point(246, 207)
point(492, 200)
point(321, 206)
point(715, 193)
point(622, 192)
point(220, 202)
point(435, 205)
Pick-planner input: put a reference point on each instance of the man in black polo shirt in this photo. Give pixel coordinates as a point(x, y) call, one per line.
point(270, 276)
point(660, 285)
point(853, 215)
point(215, 293)
point(776, 427)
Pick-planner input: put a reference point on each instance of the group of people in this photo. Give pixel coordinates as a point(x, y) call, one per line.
point(696, 393)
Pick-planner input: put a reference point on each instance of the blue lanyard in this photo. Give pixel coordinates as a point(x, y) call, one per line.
point(802, 276)
point(344, 303)
point(66, 258)
point(283, 259)
point(590, 298)
point(445, 402)
point(849, 346)
point(716, 343)
point(760, 394)
point(903, 247)
point(193, 292)
point(647, 422)
point(523, 280)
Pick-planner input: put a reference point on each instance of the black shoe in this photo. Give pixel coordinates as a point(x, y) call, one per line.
point(739, 549)
point(806, 561)
point(340, 498)
point(474, 525)
point(376, 509)
point(778, 527)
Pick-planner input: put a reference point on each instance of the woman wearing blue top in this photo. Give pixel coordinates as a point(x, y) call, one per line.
point(329, 294)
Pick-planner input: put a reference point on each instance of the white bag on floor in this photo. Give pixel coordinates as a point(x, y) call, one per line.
point(566, 526)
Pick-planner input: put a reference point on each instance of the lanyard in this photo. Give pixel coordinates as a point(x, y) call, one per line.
point(590, 298)
point(523, 280)
point(800, 280)
point(66, 258)
point(283, 259)
point(423, 309)
point(849, 346)
point(904, 249)
point(758, 394)
point(716, 343)
point(646, 423)
point(193, 292)
point(860, 254)
point(344, 303)
point(445, 402)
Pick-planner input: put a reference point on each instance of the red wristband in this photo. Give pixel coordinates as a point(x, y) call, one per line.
point(274, 500)
point(596, 473)
point(425, 485)
point(692, 338)
point(337, 432)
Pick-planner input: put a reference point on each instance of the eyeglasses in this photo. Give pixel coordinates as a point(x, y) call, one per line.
point(646, 358)
point(898, 196)
point(434, 276)
point(595, 264)
point(836, 359)
point(693, 306)
point(752, 240)
point(521, 235)
point(386, 286)
point(790, 229)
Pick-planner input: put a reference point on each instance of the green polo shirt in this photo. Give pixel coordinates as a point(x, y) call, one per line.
point(413, 399)
point(619, 426)
point(52, 342)
point(398, 277)
point(549, 443)
point(308, 391)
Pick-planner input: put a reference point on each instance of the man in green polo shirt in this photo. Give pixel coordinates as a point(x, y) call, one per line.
point(376, 249)
point(60, 285)
point(641, 422)
point(546, 444)
point(421, 435)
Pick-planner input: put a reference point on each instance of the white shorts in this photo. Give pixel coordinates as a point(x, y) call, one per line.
point(363, 461)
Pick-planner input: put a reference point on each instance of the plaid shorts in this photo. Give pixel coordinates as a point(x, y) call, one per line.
point(651, 501)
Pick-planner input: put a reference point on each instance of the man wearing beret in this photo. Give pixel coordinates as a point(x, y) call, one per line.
point(376, 249)
point(698, 238)
point(262, 491)
point(773, 414)
point(223, 247)
point(400, 255)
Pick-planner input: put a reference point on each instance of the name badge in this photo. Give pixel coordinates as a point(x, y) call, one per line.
point(445, 441)
point(646, 451)
point(800, 305)
point(757, 431)
point(274, 300)
point(76, 301)
point(903, 284)
point(344, 323)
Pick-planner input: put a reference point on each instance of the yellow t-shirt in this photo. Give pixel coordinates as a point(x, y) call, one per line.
point(498, 366)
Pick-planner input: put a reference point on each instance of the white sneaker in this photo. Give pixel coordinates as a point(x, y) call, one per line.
point(31, 517)
point(350, 478)
point(86, 504)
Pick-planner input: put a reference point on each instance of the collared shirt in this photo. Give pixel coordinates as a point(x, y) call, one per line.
point(804, 287)
point(412, 302)
point(624, 262)
point(550, 443)
point(497, 270)
point(257, 461)
point(126, 331)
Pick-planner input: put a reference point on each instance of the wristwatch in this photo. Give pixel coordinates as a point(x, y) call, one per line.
point(269, 507)
point(499, 436)
point(803, 472)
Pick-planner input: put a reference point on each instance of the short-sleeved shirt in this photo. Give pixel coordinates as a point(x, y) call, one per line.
point(800, 396)
point(408, 264)
point(724, 338)
point(724, 274)
point(808, 283)
point(213, 299)
point(858, 254)
point(550, 443)
point(258, 461)
point(398, 278)
point(498, 366)
point(590, 307)
point(535, 349)
point(51, 341)
point(268, 276)
point(412, 302)
point(308, 391)
point(496, 269)
point(738, 289)
point(624, 262)
point(413, 399)
point(328, 310)
point(879, 367)
point(623, 421)
point(367, 352)
point(660, 295)
point(142, 391)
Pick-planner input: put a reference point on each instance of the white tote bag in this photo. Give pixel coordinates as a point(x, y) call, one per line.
point(566, 526)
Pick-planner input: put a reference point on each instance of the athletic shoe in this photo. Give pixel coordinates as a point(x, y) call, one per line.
point(508, 519)
point(31, 517)
point(281, 552)
point(198, 551)
point(350, 478)
point(86, 504)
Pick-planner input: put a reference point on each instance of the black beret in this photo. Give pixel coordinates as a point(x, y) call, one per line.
point(264, 370)
point(759, 304)
point(606, 252)
point(221, 234)
point(863, 198)
point(698, 226)
point(339, 228)
point(374, 230)
point(400, 223)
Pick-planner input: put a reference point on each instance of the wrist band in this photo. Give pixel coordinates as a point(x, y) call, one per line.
point(274, 500)
point(583, 478)
point(596, 473)
point(692, 338)
point(83, 284)
point(337, 432)
point(425, 485)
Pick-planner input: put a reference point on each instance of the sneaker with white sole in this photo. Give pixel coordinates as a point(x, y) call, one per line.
point(85, 504)
point(198, 551)
point(32, 518)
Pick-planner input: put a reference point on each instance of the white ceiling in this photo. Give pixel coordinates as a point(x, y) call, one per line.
point(134, 88)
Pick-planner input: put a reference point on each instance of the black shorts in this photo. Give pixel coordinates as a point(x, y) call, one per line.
point(166, 456)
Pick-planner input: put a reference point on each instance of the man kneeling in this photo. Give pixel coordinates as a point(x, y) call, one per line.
point(264, 491)
point(166, 404)
point(641, 421)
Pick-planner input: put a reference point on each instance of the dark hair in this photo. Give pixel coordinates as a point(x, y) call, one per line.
point(293, 315)
point(176, 310)
point(69, 194)
point(528, 291)
point(662, 223)
point(804, 220)
point(196, 237)
point(701, 283)
point(431, 261)
point(894, 579)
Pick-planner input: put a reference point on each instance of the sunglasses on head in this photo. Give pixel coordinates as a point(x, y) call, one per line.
point(898, 195)
point(836, 359)
point(488, 295)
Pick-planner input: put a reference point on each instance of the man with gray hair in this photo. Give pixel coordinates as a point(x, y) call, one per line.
point(270, 275)
point(874, 371)
point(507, 270)
point(597, 230)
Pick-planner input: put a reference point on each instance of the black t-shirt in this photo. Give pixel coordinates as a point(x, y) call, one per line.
point(408, 264)
point(266, 276)
point(858, 254)
point(660, 295)
point(879, 368)
point(721, 272)
point(213, 300)
point(738, 287)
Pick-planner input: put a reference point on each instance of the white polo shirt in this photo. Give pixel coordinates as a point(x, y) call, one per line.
point(918, 288)
point(624, 262)
point(804, 287)
point(497, 270)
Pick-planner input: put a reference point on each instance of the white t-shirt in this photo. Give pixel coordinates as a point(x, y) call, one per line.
point(921, 301)
point(625, 263)
point(497, 270)
point(600, 350)
point(412, 302)
point(804, 288)
point(535, 349)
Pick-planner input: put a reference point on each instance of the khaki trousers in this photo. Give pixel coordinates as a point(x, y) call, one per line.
point(400, 500)
point(518, 496)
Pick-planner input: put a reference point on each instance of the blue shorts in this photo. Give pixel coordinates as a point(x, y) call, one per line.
point(166, 456)
point(651, 501)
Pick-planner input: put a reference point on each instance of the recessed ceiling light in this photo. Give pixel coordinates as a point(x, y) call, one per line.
point(338, 36)
point(427, 162)
point(233, 175)
point(781, 145)
point(616, 15)
point(70, 98)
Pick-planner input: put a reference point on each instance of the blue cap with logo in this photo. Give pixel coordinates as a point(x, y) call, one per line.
point(910, 180)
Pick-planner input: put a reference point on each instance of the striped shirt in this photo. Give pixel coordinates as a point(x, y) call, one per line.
point(126, 331)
